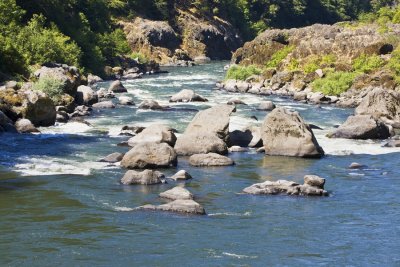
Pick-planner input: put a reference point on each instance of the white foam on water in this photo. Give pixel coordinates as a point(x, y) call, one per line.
point(340, 147)
point(67, 128)
point(241, 123)
point(220, 214)
point(125, 209)
point(46, 166)
point(238, 256)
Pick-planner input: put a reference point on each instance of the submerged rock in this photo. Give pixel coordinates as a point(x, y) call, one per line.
point(235, 101)
point(209, 160)
point(177, 193)
point(151, 104)
point(207, 132)
point(285, 133)
point(150, 155)
point(313, 186)
point(154, 134)
point(181, 175)
point(180, 206)
point(356, 165)
point(187, 95)
point(113, 158)
point(146, 177)
point(362, 127)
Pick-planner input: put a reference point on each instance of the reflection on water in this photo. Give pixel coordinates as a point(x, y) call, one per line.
point(69, 209)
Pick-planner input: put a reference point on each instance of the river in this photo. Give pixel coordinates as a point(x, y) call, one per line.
point(60, 206)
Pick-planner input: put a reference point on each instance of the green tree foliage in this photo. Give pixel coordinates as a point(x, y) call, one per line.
point(334, 83)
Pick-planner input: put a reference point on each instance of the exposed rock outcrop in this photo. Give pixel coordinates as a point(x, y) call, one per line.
point(313, 186)
point(362, 127)
point(177, 193)
point(210, 160)
point(187, 95)
point(285, 133)
point(208, 132)
point(154, 134)
point(187, 206)
point(146, 177)
point(150, 155)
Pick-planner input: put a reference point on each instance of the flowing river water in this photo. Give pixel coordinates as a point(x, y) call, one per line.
point(60, 206)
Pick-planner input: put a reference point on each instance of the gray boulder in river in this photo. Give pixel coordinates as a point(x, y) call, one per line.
point(313, 186)
point(150, 155)
point(177, 193)
point(180, 206)
point(207, 132)
point(210, 160)
point(187, 95)
point(117, 87)
point(154, 134)
point(146, 177)
point(362, 127)
point(381, 104)
point(86, 96)
point(285, 133)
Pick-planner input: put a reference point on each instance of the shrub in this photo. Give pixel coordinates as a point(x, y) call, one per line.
point(367, 64)
point(278, 56)
point(394, 63)
point(53, 88)
point(334, 83)
point(242, 72)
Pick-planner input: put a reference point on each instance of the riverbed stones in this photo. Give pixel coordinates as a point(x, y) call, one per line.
point(209, 160)
point(266, 106)
point(356, 165)
point(362, 127)
point(86, 96)
point(113, 158)
point(181, 176)
point(284, 133)
point(146, 177)
point(236, 101)
point(186, 206)
point(25, 126)
point(150, 104)
point(154, 134)
point(150, 155)
point(177, 193)
point(381, 104)
point(187, 95)
point(313, 186)
point(117, 87)
point(104, 105)
point(207, 132)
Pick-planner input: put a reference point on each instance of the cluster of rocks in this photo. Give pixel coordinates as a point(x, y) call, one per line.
point(313, 186)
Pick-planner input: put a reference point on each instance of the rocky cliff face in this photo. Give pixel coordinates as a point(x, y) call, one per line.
point(185, 39)
point(343, 42)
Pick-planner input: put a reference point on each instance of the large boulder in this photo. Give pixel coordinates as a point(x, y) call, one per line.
point(104, 105)
point(154, 134)
point(382, 105)
point(187, 95)
point(187, 206)
point(209, 160)
point(362, 127)
point(146, 177)
point(86, 96)
point(39, 109)
point(6, 124)
point(150, 155)
point(285, 133)
point(177, 193)
point(313, 186)
point(250, 137)
point(181, 175)
point(69, 75)
point(207, 132)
